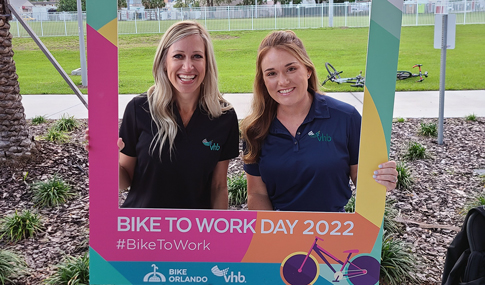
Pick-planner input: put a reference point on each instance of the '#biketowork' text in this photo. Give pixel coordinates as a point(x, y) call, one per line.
point(223, 225)
point(161, 244)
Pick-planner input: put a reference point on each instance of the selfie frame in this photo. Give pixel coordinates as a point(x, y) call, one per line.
point(139, 246)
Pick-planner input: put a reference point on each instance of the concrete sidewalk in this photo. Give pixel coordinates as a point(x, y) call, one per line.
point(423, 104)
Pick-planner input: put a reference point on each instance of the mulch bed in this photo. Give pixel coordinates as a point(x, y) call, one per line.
point(429, 212)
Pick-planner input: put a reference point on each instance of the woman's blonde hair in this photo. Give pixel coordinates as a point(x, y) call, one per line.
point(255, 126)
point(161, 95)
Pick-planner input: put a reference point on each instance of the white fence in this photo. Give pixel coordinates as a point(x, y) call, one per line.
point(261, 17)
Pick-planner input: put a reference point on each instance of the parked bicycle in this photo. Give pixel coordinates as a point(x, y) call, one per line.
point(301, 268)
point(401, 75)
point(359, 80)
point(334, 76)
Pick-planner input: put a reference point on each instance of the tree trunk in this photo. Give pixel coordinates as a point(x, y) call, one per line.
point(15, 139)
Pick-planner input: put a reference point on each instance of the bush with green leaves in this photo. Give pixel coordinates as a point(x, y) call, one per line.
point(350, 207)
point(19, 226)
point(398, 120)
point(471, 117)
point(404, 179)
point(398, 264)
point(51, 193)
point(54, 135)
point(477, 201)
point(66, 124)
point(390, 213)
point(428, 129)
point(38, 120)
point(237, 186)
point(11, 266)
point(416, 151)
point(71, 271)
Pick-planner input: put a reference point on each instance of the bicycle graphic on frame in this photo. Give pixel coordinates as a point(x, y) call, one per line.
point(301, 268)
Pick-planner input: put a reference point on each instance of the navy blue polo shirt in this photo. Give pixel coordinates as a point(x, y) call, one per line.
point(311, 171)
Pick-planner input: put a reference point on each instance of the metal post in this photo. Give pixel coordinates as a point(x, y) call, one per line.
point(18, 28)
point(464, 12)
point(346, 11)
point(158, 17)
point(49, 56)
point(330, 14)
point(41, 26)
point(136, 27)
point(82, 49)
point(228, 18)
point(275, 17)
point(256, 5)
point(65, 25)
point(444, 31)
point(205, 16)
point(252, 18)
point(298, 8)
point(322, 13)
point(417, 7)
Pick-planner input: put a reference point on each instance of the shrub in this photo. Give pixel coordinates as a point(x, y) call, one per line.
point(404, 179)
point(38, 120)
point(66, 124)
point(471, 117)
point(51, 193)
point(399, 120)
point(350, 207)
point(398, 265)
point(416, 151)
point(390, 214)
point(71, 271)
point(54, 135)
point(477, 201)
point(11, 265)
point(428, 129)
point(237, 186)
point(19, 226)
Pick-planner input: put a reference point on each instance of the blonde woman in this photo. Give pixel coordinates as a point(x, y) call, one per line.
point(301, 146)
point(176, 140)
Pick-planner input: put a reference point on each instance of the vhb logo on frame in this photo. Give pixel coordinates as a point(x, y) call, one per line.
point(212, 146)
point(229, 278)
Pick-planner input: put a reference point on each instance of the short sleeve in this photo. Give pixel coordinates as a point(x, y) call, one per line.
point(231, 147)
point(354, 137)
point(252, 168)
point(128, 129)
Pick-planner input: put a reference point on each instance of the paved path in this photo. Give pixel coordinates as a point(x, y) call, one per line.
point(422, 104)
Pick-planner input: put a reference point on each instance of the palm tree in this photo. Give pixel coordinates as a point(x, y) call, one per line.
point(15, 139)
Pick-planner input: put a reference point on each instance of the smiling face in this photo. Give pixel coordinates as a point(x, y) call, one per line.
point(285, 77)
point(186, 65)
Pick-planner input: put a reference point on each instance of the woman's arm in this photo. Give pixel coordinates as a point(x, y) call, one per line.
point(257, 194)
point(219, 194)
point(353, 173)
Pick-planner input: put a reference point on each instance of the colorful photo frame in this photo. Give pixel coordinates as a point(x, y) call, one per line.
point(138, 246)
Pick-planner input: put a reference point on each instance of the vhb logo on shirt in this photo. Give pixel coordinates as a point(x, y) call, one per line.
point(212, 146)
point(320, 137)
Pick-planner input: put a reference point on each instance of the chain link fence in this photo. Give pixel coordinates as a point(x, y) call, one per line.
point(262, 17)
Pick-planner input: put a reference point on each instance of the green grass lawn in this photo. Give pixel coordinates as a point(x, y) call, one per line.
point(235, 51)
